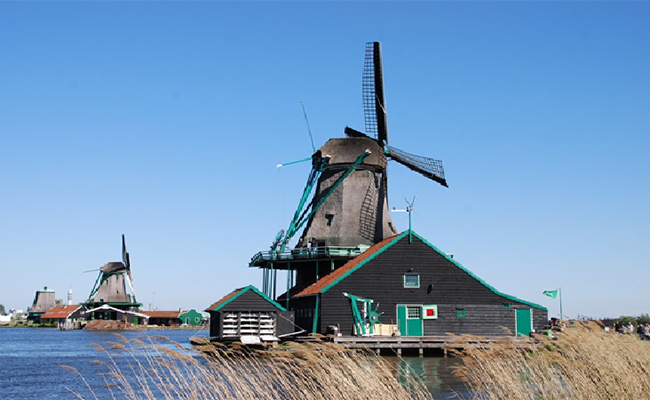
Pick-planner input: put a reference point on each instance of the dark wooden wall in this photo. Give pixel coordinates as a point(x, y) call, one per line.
point(303, 309)
point(441, 283)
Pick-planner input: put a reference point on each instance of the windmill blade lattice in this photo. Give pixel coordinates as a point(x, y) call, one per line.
point(374, 106)
point(429, 167)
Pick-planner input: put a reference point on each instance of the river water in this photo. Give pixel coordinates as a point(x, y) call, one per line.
point(30, 360)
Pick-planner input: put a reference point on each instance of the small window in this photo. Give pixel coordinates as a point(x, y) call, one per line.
point(411, 281)
point(414, 312)
point(461, 312)
point(506, 305)
point(329, 218)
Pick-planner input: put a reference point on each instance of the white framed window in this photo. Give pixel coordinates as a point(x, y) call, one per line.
point(411, 280)
point(413, 312)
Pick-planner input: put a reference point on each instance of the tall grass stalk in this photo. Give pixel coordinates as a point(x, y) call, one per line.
point(583, 363)
point(149, 369)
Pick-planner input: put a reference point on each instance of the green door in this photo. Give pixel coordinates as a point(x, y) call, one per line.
point(524, 321)
point(409, 319)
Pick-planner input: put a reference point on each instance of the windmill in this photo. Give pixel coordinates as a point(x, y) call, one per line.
point(350, 206)
point(349, 209)
point(114, 284)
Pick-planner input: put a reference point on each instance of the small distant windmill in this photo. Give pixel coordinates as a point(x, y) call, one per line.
point(350, 206)
point(114, 285)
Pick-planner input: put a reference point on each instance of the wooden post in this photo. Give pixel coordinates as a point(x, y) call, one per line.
point(421, 352)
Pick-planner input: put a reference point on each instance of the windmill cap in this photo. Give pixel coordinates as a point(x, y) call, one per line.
point(348, 150)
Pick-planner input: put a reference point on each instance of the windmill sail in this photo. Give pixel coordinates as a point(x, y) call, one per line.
point(429, 167)
point(374, 104)
point(127, 263)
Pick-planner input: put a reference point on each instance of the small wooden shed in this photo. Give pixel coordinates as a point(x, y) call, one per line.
point(247, 312)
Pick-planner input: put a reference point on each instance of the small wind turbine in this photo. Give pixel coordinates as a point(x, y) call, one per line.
point(409, 210)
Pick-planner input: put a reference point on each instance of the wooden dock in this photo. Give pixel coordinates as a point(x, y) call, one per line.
point(421, 345)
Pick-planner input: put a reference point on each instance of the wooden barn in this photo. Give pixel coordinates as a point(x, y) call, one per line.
point(247, 312)
point(417, 287)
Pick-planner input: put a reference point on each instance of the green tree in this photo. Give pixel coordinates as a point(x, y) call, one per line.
point(624, 319)
point(643, 319)
point(2, 309)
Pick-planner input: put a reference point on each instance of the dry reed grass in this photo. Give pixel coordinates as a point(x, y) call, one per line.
point(147, 369)
point(584, 363)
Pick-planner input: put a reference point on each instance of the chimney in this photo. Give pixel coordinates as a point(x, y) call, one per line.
point(70, 297)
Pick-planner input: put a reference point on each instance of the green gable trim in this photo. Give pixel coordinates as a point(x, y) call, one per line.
point(437, 250)
point(481, 281)
point(254, 289)
point(362, 263)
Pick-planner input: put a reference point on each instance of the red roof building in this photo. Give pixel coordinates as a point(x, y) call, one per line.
point(60, 312)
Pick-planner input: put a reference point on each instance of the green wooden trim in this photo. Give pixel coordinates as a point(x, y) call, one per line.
point(314, 324)
point(456, 263)
point(362, 263)
point(481, 281)
point(246, 289)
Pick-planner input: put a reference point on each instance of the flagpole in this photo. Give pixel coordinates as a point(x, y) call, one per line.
point(561, 314)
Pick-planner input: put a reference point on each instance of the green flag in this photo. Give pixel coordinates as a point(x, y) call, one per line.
point(550, 293)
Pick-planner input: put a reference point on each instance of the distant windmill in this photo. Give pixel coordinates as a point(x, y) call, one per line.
point(350, 206)
point(112, 282)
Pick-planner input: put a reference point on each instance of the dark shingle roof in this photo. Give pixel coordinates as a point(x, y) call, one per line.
point(224, 299)
point(234, 294)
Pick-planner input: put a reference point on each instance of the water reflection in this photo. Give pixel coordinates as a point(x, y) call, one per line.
point(437, 374)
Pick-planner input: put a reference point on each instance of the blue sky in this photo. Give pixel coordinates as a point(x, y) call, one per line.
point(165, 120)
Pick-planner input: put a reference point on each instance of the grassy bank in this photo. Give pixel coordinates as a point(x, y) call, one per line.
point(583, 363)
